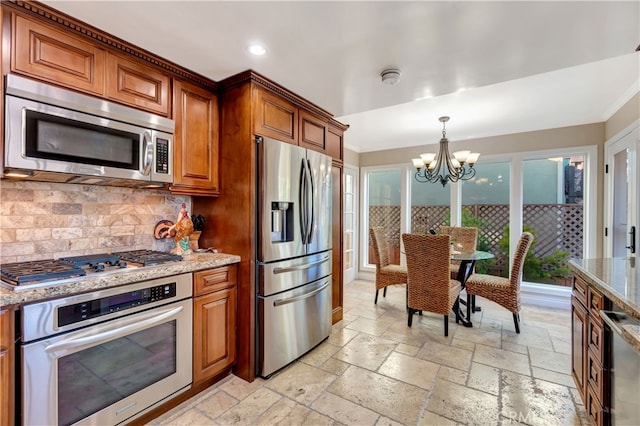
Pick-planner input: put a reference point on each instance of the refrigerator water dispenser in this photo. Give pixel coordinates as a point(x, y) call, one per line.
point(281, 221)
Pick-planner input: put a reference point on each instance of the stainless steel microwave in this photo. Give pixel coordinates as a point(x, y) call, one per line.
point(53, 134)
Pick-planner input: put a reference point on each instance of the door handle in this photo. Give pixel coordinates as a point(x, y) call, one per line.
point(300, 267)
point(147, 149)
point(107, 333)
point(281, 302)
point(632, 238)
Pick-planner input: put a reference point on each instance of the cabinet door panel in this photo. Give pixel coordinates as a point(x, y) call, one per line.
point(580, 290)
point(334, 143)
point(214, 328)
point(137, 85)
point(46, 53)
point(214, 280)
point(579, 344)
point(274, 117)
point(313, 132)
point(195, 140)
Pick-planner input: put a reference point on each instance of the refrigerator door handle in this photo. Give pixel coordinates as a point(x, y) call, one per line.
point(300, 267)
point(281, 302)
point(302, 202)
point(311, 206)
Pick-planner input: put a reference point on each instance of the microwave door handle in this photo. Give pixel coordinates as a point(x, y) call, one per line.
point(147, 148)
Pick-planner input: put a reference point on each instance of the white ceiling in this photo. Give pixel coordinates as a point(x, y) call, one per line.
point(495, 67)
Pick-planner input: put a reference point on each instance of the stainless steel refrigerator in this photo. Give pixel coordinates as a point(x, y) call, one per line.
point(294, 252)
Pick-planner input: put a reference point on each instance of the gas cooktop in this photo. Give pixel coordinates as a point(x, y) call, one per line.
point(38, 273)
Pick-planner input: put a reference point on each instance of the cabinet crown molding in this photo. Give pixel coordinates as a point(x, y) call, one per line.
point(53, 16)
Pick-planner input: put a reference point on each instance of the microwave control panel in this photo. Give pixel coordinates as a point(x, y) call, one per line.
point(162, 156)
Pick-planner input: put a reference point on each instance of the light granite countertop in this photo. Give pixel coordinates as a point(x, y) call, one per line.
point(190, 263)
point(617, 278)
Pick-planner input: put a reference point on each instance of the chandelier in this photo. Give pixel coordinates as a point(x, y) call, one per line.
point(441, 167)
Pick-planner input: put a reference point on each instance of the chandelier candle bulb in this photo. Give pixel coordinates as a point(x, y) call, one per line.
point(461, 156)
point(427, 158)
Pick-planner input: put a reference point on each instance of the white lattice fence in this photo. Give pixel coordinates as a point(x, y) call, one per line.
point(557, 226)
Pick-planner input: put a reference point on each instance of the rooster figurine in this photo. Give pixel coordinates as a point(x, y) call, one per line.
point(181, 231)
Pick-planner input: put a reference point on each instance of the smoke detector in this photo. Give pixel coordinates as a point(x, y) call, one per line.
point(390, 76)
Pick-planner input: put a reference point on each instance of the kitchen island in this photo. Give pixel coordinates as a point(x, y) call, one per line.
point(191, 263)
point(616, 278)
point(605, 284)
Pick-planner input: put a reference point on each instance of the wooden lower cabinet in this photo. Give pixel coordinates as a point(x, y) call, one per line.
point(590, 357)
point(7, 379)
point(214, 322)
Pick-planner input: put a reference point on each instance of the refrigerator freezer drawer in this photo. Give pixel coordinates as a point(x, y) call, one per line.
point(287, 274)
point(291, 323)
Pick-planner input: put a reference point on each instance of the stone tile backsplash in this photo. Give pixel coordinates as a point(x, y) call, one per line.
point(49, 220)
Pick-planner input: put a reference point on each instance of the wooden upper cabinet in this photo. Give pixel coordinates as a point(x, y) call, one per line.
point(275, 117)
point(195, 161)
point(50, 54)
point(138, 85)
point(335, 142)
point(313, 132)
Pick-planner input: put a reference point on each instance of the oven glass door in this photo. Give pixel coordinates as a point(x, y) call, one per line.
point(107, 373)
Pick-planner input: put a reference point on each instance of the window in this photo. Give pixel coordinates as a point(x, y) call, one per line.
point(383, 208)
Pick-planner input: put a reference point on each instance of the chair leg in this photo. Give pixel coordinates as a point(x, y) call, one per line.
point(469, 307)
point(384, 292)
point(446, 325)
point(516, 320)
point(409, 320)
point(375, 302)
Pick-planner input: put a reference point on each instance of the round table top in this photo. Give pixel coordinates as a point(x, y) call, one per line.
point(471, 255)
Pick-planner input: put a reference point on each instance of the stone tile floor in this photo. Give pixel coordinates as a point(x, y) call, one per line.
point(374, 370)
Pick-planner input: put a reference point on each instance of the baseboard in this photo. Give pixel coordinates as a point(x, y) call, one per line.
point(546, 295)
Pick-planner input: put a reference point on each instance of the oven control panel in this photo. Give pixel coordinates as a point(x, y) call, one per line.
point(83, 311)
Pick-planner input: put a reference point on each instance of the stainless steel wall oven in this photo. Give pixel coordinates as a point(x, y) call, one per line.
point(108, 356)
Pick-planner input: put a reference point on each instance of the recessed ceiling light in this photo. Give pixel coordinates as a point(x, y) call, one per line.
point(257, 50)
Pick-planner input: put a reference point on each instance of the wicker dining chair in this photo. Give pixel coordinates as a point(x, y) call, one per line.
point(503, 291)
point(464, 239)
point(386, 273)
point(429, 284)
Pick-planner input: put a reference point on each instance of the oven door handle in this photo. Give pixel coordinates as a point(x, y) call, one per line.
point(133, 325)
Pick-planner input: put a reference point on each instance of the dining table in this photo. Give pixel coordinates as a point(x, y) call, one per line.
point(468, 259)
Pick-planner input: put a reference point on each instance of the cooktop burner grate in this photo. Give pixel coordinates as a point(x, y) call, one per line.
point(147, 257)
point(38, 271)
point(91, 259)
